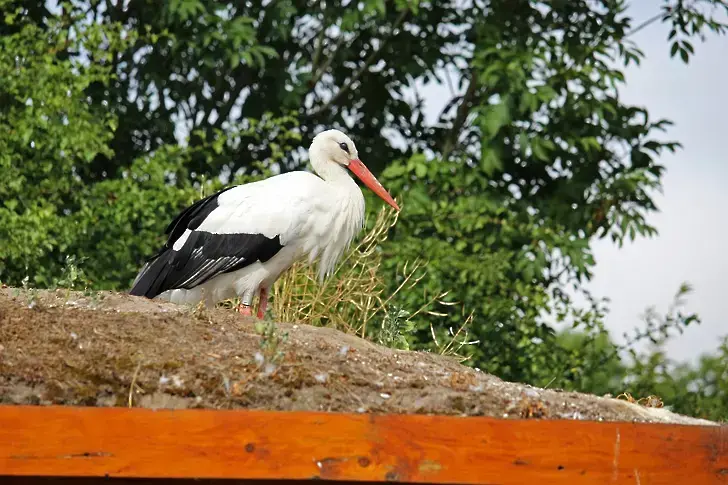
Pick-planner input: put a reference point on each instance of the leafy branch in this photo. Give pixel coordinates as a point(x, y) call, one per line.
point(360, 72)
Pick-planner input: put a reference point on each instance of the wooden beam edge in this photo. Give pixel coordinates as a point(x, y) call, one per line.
point(61, 441)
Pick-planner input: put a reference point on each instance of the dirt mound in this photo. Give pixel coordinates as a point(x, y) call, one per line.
point(111, 349)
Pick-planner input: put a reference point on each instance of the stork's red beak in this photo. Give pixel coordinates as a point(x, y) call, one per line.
point(361, 171)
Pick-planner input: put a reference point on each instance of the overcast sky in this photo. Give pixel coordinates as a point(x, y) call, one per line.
point(694, 204)
point(693, 217)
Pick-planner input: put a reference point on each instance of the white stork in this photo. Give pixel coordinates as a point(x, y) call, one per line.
point(238, 241)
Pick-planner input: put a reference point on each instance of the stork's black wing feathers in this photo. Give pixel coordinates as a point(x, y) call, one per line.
point(203, 255)
point(192, 217)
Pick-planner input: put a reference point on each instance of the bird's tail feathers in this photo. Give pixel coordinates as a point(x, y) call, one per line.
point(152, 275)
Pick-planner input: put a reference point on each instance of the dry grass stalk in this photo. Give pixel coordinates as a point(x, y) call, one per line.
point(354, 295)
point(454, 345)
point(651, 401)
point(350, 298)
point(130, 400)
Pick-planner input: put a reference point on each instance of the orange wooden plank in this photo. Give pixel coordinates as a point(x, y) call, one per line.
point(118, 442)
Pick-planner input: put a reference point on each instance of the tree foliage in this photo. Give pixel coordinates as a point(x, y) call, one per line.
point(48, 133)
point(116, 114)
point(697, 389)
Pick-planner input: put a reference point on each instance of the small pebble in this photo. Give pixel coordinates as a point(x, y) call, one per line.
point(259, 359)
point(384, 395)
point(530, 393)
point(269, 369)
point(343, 350)
point(322, 377)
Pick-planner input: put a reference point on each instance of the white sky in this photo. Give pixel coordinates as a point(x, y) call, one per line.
point(692, 218)
point(691, 222)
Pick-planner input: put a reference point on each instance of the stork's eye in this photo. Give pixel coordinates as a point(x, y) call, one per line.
point(344, 147)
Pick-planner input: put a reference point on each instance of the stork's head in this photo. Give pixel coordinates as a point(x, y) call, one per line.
point(333, 146)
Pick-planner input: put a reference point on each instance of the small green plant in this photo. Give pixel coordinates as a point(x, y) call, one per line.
point(201, 312)
point(394, 329)
point(30, 293)
point(271, 342)
point(72, 274)
point(24, 284)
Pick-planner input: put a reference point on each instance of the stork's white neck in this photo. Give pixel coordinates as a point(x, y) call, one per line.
point(348, 218)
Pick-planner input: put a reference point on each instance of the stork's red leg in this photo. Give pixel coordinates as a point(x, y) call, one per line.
point(263, 303)
point(245, 310)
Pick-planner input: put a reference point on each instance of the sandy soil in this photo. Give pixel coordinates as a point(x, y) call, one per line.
point(111, 349)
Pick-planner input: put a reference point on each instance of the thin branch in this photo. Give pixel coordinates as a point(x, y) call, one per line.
point(320, 39)
point(327, 64)
point(319, 71)
point(242, 81)
point(186, 111)
point(449, 82)
point(367, 63)
point(162, 99)
point(460, 117)
point(646, 23)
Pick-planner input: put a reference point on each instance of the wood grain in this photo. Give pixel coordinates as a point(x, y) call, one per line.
point(253, 445)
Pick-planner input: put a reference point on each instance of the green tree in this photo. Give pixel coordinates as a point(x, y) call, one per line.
point(47, 132)
point(52, 135)
point(695, 389)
